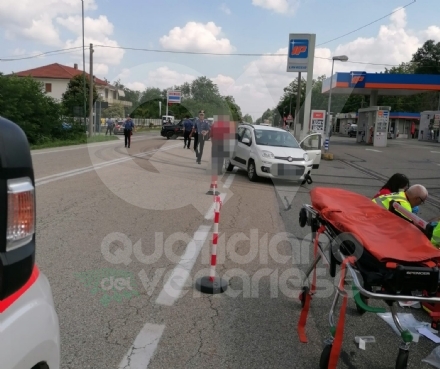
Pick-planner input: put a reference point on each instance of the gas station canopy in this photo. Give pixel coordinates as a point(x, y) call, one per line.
point(363, 83)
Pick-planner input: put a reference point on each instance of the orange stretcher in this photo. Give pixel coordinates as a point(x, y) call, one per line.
point(387, 258)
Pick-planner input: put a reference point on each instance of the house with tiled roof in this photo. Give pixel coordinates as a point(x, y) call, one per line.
point(55, 78)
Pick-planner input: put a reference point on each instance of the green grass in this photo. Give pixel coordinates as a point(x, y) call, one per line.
point(71, 142)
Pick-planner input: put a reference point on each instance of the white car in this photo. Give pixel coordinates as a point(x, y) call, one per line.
point(271, 152)
point(29, 326)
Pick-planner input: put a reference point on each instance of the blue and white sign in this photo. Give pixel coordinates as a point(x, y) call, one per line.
point(174, 97)
point(301, 52)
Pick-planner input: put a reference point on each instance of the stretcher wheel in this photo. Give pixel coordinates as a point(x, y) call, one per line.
point(325, 357)
point(303, 295)
point(402, 359)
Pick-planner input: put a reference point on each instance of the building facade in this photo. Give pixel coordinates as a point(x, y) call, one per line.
point(55, 79)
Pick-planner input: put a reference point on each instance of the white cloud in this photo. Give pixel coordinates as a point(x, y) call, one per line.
point(278, 6)
point(225, 9)
point(431, 33)
point(33, 20)
point(42, 22)
point(197, 37)
point(96, 27)
point(136, 86)
point(164, 77)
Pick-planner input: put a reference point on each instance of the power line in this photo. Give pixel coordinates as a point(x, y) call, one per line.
point(54, 52)
point(369, 24)
point(227, 54)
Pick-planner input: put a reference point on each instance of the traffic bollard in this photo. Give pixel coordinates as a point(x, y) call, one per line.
point(211, 284)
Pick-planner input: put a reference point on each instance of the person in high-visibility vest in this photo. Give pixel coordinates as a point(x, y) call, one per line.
point(435, 238)
point(409, 199)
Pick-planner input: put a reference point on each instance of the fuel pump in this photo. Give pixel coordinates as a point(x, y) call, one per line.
point(373, 125)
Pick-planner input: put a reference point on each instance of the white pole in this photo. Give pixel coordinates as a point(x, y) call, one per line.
point(327, 124)
point(308, 101)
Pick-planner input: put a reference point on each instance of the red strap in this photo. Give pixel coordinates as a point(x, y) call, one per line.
point(305, 310)
point(337, 342)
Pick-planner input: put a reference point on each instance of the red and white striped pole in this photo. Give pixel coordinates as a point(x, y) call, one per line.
point(215, 238)
point(211, 284)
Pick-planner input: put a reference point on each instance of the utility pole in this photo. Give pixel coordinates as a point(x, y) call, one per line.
point(91, 93)
point(84, 69)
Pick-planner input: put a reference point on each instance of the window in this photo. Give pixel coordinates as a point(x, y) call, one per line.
point(312, 142)
point(240, 133)
point(275, 138)
point(114, 95)
point(48, 87)
point(247, 134)
point(106, 93)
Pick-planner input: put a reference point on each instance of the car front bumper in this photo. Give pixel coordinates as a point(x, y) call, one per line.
point(284, 170)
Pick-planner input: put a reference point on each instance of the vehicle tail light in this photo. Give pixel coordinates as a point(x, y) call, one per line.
point(21, 213)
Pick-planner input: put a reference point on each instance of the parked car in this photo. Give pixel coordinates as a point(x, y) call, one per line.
point(271, 152)
point(30, 333)
point(352, 130)
point(119, 128)
point(172, 130)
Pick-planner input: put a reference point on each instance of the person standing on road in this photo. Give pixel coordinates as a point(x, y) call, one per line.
point(187, 130)
point(128, 131)
point(201, 126)
point(109, 126)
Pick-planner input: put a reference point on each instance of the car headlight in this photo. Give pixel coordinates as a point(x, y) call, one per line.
point(306, 157)
point(267, 154)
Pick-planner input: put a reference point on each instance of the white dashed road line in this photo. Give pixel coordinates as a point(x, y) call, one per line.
point(144, 346)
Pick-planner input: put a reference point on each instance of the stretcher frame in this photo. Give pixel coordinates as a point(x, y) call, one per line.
point(330, 355)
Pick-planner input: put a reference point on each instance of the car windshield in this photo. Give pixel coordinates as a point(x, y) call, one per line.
point(275, 138)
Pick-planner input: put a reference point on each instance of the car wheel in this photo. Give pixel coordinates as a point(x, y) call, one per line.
point(169, 135)
point(252, 173)
point(228, 165)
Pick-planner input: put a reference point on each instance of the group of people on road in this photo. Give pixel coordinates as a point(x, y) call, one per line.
point(199, 130)
point(398, 189)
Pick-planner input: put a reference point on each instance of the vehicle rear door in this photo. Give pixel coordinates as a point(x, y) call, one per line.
point(312, 144)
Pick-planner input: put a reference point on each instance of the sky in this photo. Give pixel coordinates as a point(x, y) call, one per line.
point(169, 28)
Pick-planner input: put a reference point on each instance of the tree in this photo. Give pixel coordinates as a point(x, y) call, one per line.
point(23, 101)
point(114, 111)
point(73, 98)
point(247, 118)
point(427, 58)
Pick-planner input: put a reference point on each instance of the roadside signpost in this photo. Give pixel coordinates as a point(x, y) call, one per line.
point(300, 59)
point(173, 97)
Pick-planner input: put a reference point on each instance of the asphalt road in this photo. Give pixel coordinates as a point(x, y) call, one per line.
point(115, 223)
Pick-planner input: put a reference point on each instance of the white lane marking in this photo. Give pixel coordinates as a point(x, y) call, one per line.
point(71, 173)
point(84, 146)
point(173, 287)
point(435, 152)
point(373, 150)
point(230, 179)
point(143, 348)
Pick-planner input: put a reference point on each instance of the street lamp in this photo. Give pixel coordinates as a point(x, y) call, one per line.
point(342, 58)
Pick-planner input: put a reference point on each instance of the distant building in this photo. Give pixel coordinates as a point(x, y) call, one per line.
point(55, 78)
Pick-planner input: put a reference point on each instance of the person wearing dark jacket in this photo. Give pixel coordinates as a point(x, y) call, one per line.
point(187, 129)
point(128, 131)
point(201, 128)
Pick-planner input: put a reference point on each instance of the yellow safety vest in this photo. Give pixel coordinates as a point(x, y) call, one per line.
point(399, 197)
point(435, 238)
